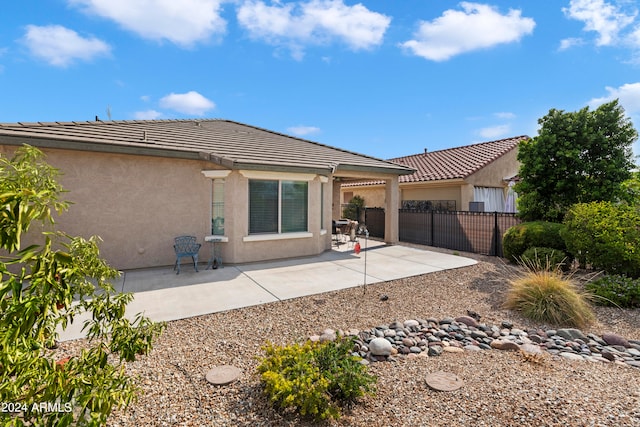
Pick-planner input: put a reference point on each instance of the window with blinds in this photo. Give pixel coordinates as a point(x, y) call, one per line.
point(278, 206)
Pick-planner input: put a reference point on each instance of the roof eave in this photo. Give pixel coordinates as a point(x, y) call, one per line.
point(399, 170)
point(65, 144)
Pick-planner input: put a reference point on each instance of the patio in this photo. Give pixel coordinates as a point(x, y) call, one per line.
point(164, 296)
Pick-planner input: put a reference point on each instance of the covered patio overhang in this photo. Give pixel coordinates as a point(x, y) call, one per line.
point(392, 194)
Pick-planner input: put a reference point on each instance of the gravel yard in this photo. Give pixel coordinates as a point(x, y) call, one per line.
point(501, 388)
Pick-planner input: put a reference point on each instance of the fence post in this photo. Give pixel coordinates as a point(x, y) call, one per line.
point(496, 233)
point(432, 228)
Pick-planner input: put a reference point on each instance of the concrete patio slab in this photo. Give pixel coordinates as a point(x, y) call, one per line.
point(163, 295)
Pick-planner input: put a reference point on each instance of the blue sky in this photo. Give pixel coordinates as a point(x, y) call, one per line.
point(385, 78)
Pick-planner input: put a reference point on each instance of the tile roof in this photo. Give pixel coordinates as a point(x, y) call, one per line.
point(231, 144)
point(452, 163)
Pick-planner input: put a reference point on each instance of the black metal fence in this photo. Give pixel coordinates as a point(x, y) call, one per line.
point(476, 232)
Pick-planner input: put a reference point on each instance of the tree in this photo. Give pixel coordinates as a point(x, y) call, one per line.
point(577, 157)
point(46, 285)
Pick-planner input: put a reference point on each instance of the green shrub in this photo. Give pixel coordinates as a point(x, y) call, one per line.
point(314, 378)
point(354, 210)
point(616, 290)
point(606, 236)
point(547, 296)
point(537, 234)
point(545, 258)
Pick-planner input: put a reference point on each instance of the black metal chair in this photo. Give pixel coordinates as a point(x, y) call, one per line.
point(186, 246)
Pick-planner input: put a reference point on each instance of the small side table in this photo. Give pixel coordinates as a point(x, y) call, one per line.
point(215, 260)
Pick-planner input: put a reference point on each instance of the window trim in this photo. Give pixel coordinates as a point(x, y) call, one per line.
point(279, 231)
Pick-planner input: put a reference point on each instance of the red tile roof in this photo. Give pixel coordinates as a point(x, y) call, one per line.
point(452, 163)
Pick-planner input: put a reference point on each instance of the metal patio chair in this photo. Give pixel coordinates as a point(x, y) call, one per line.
point(186, 246)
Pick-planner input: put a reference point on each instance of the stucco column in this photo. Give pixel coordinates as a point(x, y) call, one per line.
point(336, 211)
point(391, 215)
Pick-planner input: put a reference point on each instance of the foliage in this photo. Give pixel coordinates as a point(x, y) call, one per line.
point(577, 157)
point(43, 287)
point(314, 378)
point(536, 234)
point(547, 296)
point(354, 209)
point(616, 290)
point(545, 258)
point(606, 236)
point(631, 190)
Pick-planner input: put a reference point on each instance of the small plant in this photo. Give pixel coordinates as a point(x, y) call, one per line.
point(355, 209)
point(547, 296)
point(616, 290)
point(316, 379)
point(537, 234)
point(545, 258)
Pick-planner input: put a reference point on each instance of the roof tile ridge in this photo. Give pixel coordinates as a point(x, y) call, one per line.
point(426, 154)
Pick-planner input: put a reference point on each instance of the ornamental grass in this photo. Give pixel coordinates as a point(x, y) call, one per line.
point(548, 296)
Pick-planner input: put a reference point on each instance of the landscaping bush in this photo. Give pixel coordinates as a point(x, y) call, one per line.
point(536, 234)
point(616, 290)
point(314, 378)
point(354, 210)
point(605, 236)
point(547, 296)
point(545, 258)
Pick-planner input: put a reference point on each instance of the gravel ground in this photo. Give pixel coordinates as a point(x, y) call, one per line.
point(500, 388)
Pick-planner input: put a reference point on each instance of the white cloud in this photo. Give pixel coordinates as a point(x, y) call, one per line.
point(187, 103)
point(628, 94)
point(604, 18)
point(494, 132)
point(505, 115)
point(60, 46)
point(303, 130)
point(147, 115)
point(182, 22)
point(477, 26)
point(315, 22)
point(570, 42)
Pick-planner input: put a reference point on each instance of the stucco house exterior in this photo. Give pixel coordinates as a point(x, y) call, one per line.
point(139, 184)
point(471, 177)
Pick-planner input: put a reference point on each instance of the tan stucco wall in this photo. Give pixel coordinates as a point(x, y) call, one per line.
point(493, 174)
point(374, 196)
point(138, 204)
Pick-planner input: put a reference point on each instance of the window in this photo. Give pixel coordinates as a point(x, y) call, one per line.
point(277, 206)
point(217, 207)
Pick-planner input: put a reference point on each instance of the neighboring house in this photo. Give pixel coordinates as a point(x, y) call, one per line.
point(473, 177)
point(139, 184)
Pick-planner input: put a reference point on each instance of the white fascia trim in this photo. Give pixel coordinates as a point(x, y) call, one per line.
point(282, 236)
point(216, 174)
point(283, 176)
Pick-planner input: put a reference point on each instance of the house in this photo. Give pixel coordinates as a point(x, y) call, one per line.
point(473, 177)
point(139, 184)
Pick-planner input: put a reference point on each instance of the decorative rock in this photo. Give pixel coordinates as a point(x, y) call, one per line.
point(411, 323)
point(531, 348)
point(328, 335)
point(613, 339)
point(222, 375)
point(505, 345)
point(435, 350)
point(467, 320)
point(444, 381)
point(380, 347)
point(452, 349)
point(571, 356)
point(571, 334)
